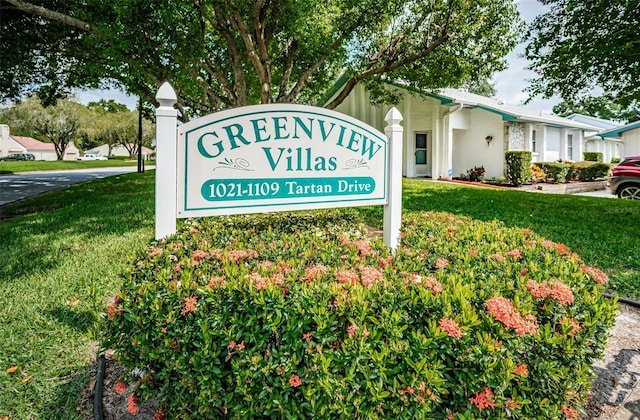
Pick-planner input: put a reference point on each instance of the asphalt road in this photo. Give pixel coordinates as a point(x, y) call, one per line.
point(16, 187)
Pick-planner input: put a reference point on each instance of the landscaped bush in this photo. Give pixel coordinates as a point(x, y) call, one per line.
point(298, 316)
point(588, 171)
point(537, 174)
point(615, 160)
point(518, 163)
point(593, 156)
point(475, 174)
point(556, 171)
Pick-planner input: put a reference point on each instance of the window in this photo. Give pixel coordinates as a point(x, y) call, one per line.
point(533, 141)
point(570, 146)
point(421, 148)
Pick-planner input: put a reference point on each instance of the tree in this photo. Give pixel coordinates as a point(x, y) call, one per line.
point(580, 45)
point(600, 107)
point(59, 124)
point(227, 53)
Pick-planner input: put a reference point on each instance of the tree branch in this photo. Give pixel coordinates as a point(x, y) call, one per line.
point(50, 14)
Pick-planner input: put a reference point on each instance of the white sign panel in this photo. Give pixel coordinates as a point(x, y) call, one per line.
point(278, 157)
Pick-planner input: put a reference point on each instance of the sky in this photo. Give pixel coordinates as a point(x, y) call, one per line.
point(509, 83)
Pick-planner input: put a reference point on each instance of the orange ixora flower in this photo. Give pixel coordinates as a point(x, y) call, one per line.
point(450, 327)
point(159, 414)
point(598, 276)
point(189, 305)
point(554, 289)
point(294, 380)
point(347, 277)
point(314, 272)
point(198, 254)
point(120, 387)
point(521, 370)
point(569, 412)
point(482, 399)
point(502, 310)
point(133, 404)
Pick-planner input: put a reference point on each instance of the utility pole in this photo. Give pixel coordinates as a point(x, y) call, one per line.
point(140, 161)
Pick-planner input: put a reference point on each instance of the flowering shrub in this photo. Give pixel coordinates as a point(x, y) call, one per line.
point(475, 174)
point(302, 316)
point(517, 164)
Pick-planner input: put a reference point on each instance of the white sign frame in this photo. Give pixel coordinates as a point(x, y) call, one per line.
point(277, 157)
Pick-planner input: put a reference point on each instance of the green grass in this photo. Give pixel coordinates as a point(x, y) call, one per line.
point(69, 246)
point(58, 165)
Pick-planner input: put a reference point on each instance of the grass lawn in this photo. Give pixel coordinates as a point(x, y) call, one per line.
point(58, 165)
point(62, 253)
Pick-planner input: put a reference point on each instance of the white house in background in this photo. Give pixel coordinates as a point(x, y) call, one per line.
point(119, 150)
point(610, 147)
point(450, 131)
point(42, 151)
point(627, 136)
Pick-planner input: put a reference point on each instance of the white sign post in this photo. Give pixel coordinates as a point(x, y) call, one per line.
point(275, 157)
point(393, 209)
point(166, 143)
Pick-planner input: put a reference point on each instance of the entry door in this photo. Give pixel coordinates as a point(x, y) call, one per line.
point(421, 161)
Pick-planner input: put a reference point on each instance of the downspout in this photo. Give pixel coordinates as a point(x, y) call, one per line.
point(448, 146)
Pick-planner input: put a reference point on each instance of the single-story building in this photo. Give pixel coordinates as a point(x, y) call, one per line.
point(120, 150)
point(449, 131)
point(610, 147)
point(628, 136)
point(10, 144)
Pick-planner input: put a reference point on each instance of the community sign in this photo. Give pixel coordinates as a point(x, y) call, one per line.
point(278, 157)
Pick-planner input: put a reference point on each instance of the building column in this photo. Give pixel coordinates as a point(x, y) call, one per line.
point(435, 143)
point(410, 144)
point(563, 144)
point(448, 149)
point(542, 143)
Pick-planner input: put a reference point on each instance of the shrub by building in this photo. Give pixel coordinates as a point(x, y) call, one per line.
point(303, 316)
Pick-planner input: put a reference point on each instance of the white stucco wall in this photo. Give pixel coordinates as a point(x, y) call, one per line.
point(471, 147)
point(631, 141)
point(553, 144)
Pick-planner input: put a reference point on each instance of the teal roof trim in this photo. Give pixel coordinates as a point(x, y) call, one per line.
point(342, 80)
point(617, 132)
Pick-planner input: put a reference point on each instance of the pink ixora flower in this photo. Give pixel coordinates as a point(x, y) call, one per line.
point(347, 277)
point(189, 305)
point(370, 275)
point(198, 254)
point(314, 272)
point(515, 253)
point(573, 323)
point(352, 330)
point(450, 327)
point(442, 263)
point(497, 256)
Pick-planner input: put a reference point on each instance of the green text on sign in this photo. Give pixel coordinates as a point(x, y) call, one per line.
point(252, 189)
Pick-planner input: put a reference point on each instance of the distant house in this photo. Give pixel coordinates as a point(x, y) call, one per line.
point(10, 144)
point(449, 131)
point(628, 136)
point(120, 150)
point(611, 146)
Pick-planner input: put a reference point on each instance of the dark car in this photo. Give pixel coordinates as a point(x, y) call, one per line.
point(19, 156)
point(624, 178)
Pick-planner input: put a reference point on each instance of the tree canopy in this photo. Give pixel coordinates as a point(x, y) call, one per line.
point(227, 53)
point(599, 107)
point(580, 45)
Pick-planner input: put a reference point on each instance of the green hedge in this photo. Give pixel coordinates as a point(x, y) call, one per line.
point(297, 316)
point(589, 171)
point(557, 171)
point(593, 156)
point(518, 164)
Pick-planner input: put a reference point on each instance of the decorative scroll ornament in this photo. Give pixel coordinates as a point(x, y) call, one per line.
point(354, 164)
point(239, 164)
